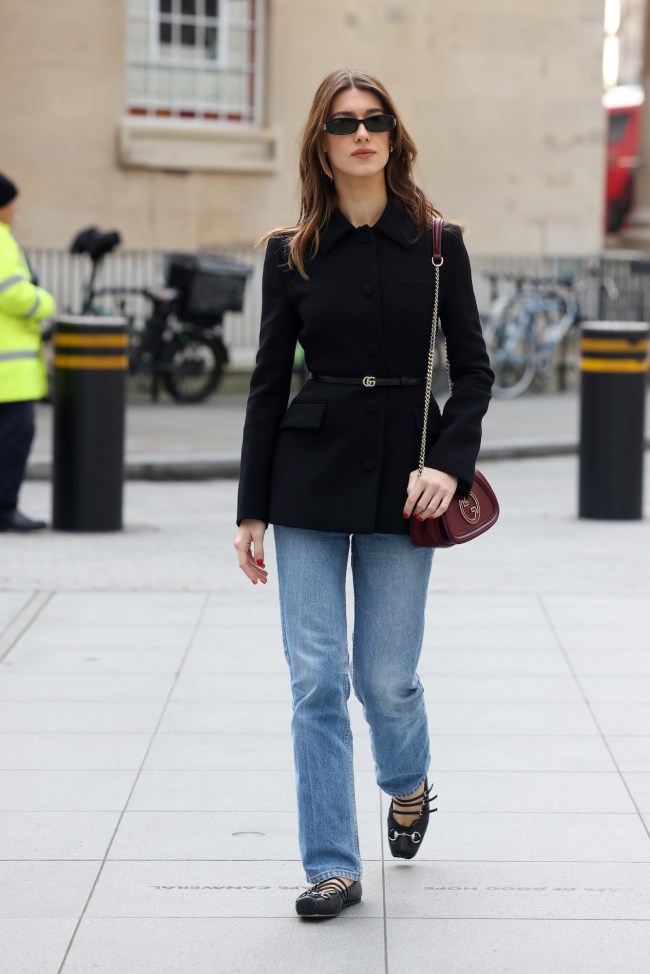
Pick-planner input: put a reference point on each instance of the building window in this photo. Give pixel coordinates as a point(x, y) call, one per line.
point(198, 59)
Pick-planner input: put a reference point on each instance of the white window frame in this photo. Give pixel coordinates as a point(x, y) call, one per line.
point(155, 55)
point(222, 115)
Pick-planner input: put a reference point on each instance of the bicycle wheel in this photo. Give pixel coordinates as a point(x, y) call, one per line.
point(191, 366)
point(511, 346)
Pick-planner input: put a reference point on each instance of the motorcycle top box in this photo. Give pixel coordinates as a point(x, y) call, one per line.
point(208, 286)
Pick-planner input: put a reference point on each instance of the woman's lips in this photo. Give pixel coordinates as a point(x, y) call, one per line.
point(364, 153)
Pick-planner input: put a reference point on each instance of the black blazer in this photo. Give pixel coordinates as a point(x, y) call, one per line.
point(339, 458)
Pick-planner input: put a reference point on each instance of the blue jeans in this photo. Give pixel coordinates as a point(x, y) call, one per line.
point(390, 580)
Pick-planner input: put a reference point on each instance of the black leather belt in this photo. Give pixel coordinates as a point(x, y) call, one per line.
point(369, 381)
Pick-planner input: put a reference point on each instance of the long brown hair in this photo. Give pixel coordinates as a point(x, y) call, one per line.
point(317, 190)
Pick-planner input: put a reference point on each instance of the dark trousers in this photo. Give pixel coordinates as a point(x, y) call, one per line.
point(17, 429)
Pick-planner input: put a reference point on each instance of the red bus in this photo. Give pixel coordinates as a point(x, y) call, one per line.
point(623, 106)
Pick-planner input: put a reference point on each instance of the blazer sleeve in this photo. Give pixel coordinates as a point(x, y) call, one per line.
point(457, 446)
point(270, 387)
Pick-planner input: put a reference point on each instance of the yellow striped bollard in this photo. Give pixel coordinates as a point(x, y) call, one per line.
point(90, 368)
point(613, 364)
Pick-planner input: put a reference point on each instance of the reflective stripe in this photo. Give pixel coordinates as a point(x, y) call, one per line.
point(63, 339)
point(34, 307)
point(631, 345)
point(102, 363)
point(10, 281)
point(12, 356)
point(613, 365)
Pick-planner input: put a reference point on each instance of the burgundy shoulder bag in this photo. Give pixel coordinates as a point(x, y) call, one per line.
point(466, 517)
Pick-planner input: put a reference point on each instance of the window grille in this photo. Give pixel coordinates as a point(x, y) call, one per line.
point(197, 59)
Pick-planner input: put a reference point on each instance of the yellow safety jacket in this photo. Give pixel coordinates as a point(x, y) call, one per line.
point(22, 306)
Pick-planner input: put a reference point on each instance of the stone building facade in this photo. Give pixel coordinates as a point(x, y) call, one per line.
point(178, 121)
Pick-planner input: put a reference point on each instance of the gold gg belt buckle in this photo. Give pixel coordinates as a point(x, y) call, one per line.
point(369, 381)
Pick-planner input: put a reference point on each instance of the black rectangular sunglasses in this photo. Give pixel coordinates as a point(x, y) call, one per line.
point(344, 125)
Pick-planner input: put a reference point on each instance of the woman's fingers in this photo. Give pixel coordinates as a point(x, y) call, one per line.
point(413, 493)
point(430, 494)
point(249, 545)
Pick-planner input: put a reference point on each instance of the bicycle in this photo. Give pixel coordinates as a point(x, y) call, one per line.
point(180, 342)
point(528, 332)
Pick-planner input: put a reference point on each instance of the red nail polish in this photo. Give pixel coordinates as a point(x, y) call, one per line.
point(405, 516)
point(260, 563)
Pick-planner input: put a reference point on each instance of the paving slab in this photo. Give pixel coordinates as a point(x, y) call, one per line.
point(56, 835)
point(512, 946)
point(512, 752)
point(34, 945)
point(519, 890)
point(42, 686)
point(548, 836)
point(76, 751)
point(40, 888)
point(43, 716)
point(533, 791)
point(217, 835)
point(630, 753)
point(205, 945)
point(62, 791)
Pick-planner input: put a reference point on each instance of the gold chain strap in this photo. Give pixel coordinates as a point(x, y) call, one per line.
point(432, 353)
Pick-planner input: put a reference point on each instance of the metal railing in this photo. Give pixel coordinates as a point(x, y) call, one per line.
point(65, 274)
point(617, 285)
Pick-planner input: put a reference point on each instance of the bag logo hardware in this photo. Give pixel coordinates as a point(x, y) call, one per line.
point(369, 381)
point(471, 513)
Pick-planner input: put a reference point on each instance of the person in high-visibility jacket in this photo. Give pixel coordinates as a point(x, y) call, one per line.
point(22, 369)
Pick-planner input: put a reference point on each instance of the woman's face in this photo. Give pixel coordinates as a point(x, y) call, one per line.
point(363, 154)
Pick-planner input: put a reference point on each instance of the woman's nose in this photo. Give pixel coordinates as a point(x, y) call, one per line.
point(362, 132)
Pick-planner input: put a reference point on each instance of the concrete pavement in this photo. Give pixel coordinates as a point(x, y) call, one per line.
point(147, 810)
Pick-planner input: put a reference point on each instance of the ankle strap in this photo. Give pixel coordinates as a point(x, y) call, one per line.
point(419, 801)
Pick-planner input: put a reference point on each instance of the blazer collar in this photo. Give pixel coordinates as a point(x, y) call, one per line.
point(394, 223)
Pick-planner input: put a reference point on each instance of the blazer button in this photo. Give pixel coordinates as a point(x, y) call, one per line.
point(368, 465)
point(372, 348)
point(367, 290)
point(371, 406)
point(364, 236)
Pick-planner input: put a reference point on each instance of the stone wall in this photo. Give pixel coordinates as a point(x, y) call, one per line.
point(503, 99)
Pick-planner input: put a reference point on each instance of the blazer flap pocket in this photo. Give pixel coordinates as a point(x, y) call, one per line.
point(305, 415)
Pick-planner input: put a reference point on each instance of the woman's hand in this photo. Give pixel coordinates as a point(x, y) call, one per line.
point(429, 495)
point(251, 534)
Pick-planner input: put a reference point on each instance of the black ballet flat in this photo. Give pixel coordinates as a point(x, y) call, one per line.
point(404, 840)
point(328, 898)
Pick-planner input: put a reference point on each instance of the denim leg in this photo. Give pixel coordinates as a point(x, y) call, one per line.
point(311, 570)
point(390, 590)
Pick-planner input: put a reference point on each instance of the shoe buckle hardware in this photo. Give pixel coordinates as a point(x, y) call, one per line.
point(393, 835)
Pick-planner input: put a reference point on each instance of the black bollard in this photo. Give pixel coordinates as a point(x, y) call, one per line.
point(614, 363)
point(91, 363)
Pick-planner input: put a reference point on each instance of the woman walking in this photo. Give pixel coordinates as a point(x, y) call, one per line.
point(336, 472)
